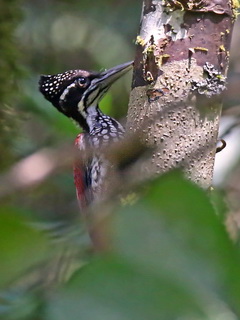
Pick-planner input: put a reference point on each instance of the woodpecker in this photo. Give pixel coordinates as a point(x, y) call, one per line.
point(77, 93)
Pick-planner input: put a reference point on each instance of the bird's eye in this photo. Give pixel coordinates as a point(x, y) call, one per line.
point(82, 82)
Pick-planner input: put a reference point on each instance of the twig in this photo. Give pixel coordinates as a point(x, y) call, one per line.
point(222, 146)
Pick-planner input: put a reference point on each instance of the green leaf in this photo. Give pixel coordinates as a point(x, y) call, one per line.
point(111, 289)
point(21, 246)
point(218, 199)
point(174, 231)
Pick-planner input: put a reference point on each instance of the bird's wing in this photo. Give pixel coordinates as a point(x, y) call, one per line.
point(82, 174)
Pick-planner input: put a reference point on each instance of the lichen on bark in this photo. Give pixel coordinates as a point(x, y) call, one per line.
point(179, 74)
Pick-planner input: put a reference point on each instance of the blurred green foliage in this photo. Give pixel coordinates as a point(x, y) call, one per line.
point(18, 242)
point(171, 257)
point(10, 72)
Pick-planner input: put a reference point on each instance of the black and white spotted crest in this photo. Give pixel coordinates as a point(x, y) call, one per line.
point(65, 90)
point(60, 87)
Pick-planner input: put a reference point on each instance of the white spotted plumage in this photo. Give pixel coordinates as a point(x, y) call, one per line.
point(97, 169)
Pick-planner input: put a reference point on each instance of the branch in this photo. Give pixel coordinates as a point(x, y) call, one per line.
point(36, 168)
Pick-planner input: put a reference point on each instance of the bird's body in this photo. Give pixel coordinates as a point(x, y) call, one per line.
point(76, 93)
point(90, 176)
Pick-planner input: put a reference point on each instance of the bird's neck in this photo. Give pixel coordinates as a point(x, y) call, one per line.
point(93, 117)
point(99, 124)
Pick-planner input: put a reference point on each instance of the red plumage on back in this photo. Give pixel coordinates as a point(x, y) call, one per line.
point(80, 173)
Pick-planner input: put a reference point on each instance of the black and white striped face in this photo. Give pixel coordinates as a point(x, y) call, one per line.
point(65, 90)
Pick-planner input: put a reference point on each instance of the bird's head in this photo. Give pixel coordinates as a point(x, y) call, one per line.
point(74, 91)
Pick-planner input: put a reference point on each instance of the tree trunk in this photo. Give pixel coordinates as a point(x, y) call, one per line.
point(179, 74)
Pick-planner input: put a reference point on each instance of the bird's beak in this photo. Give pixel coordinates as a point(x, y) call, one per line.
point(100, 85)
point(108, 77)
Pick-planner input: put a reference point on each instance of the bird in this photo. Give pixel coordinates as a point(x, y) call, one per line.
point(76, 94)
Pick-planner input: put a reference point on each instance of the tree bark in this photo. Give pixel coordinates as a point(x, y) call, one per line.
point(180, 71)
